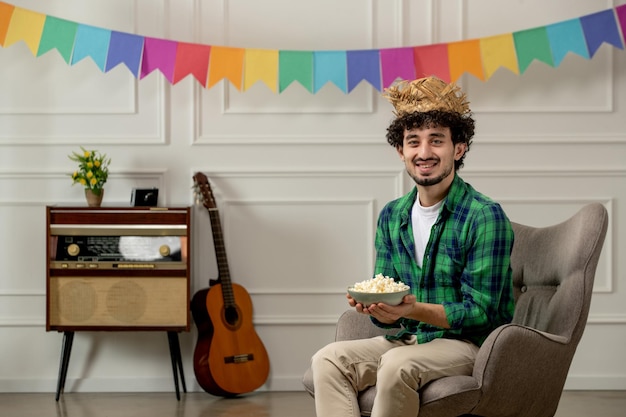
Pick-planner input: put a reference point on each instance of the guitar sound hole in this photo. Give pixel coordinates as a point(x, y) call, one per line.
point(231, 315)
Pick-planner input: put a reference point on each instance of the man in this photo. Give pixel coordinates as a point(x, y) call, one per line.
point(448, 242)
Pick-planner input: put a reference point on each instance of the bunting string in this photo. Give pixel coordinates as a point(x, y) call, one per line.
point(278, 69)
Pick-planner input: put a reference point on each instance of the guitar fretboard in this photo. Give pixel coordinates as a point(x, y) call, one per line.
point(222, 260)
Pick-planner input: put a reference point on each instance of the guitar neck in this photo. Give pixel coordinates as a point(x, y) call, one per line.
point(220, 255)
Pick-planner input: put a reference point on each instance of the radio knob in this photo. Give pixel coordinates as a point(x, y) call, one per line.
point(164, 250)
point(73, 249)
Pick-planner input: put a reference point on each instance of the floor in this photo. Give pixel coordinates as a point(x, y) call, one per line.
point(262, 404)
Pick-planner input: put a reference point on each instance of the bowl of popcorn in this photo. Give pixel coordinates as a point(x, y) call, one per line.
point(380, 289)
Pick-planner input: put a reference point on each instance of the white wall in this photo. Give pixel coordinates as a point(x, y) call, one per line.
point(299, 178)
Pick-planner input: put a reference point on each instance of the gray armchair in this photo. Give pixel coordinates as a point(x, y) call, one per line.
point(521, 368)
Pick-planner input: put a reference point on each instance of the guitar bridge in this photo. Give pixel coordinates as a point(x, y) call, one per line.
point(239, 358)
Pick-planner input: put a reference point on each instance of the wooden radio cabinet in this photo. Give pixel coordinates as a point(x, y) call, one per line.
point(118, 269)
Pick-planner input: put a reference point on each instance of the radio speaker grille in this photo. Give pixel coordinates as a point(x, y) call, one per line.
point(118, 301)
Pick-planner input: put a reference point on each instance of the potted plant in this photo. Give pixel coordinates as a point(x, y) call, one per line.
point(92, 174)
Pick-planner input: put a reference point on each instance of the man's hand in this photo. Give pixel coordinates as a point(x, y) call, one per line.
point(385, 313)
point(409, 308)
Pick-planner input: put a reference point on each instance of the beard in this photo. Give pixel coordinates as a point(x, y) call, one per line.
point(428, 181)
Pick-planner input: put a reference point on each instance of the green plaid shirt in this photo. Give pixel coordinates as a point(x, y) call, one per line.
point(466, 264)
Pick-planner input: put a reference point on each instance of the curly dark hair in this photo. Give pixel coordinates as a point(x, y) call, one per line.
point(461, 128)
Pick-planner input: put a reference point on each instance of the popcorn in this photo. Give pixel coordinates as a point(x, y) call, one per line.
point(380, 284)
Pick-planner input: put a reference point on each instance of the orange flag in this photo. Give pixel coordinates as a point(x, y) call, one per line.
point(464, 56)
point(6, 14)
point(226, 63)
point(25, 26)
point(499, 51)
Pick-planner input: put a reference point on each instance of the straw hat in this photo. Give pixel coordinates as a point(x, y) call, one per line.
point(426, 94)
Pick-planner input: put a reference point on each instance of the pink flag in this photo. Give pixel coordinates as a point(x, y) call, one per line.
point(159, 54)
point(397, 63)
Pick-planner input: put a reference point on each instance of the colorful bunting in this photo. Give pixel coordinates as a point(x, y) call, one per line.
point(498, 51)
point(25, 26)
point(58, 34)
point(261, 65)
point(330, 66)
point(6, 15)
point(397, 63)
point(432, 59)
point(295, 66)
point(532, 44)
point(91, 42)
point(363, 66)
point(126, 49)
point(567, 37)
point(621, 16)
point(244, 67)
point(226, 63)
point(159, 54)
point(192, 58)
point(464, 56)
point(599, 28)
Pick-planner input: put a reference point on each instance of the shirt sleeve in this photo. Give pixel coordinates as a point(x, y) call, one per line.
point(486, 278)
point(384, 246)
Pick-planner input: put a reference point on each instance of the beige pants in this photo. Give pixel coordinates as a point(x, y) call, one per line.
point(397, 368)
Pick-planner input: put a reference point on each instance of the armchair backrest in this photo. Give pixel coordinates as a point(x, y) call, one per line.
point(553, 272)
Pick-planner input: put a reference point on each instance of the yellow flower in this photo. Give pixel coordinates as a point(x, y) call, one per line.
point(93, 169)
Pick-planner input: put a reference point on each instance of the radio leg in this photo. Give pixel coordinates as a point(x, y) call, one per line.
point(66, 350)
point(177, 363)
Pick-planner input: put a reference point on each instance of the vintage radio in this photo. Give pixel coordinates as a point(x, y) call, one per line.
point(118, 268)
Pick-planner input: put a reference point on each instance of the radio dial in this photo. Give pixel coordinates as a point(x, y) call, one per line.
point(164, 250)
point(73, 249)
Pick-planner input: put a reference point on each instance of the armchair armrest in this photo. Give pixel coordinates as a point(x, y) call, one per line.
point(354, 325)
point(519, 362)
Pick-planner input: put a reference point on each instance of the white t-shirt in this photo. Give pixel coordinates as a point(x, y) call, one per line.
point(422, 220)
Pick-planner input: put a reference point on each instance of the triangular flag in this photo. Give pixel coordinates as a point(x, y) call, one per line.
point(363, 65)
point(295, 66)
point(498, 51)
point(91, 42)
point(158, 54)
point(621, 16)
point(25, 26)
point(58, 34)
point(599, 28)
point(127, 49)
point(464, 57)
point(226, 63)
point(532, 44)
point(397, 63)
point(261, 65)
point(192, 58)
point(566, 37)
point(6, 14)
point(330, 66)
point(432, 60)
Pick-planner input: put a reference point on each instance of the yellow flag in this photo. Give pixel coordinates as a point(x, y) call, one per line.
point(27, 26)
point(498, 51)
point(261, 65)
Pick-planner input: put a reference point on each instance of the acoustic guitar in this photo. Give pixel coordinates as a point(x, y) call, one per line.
point(229, 358)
